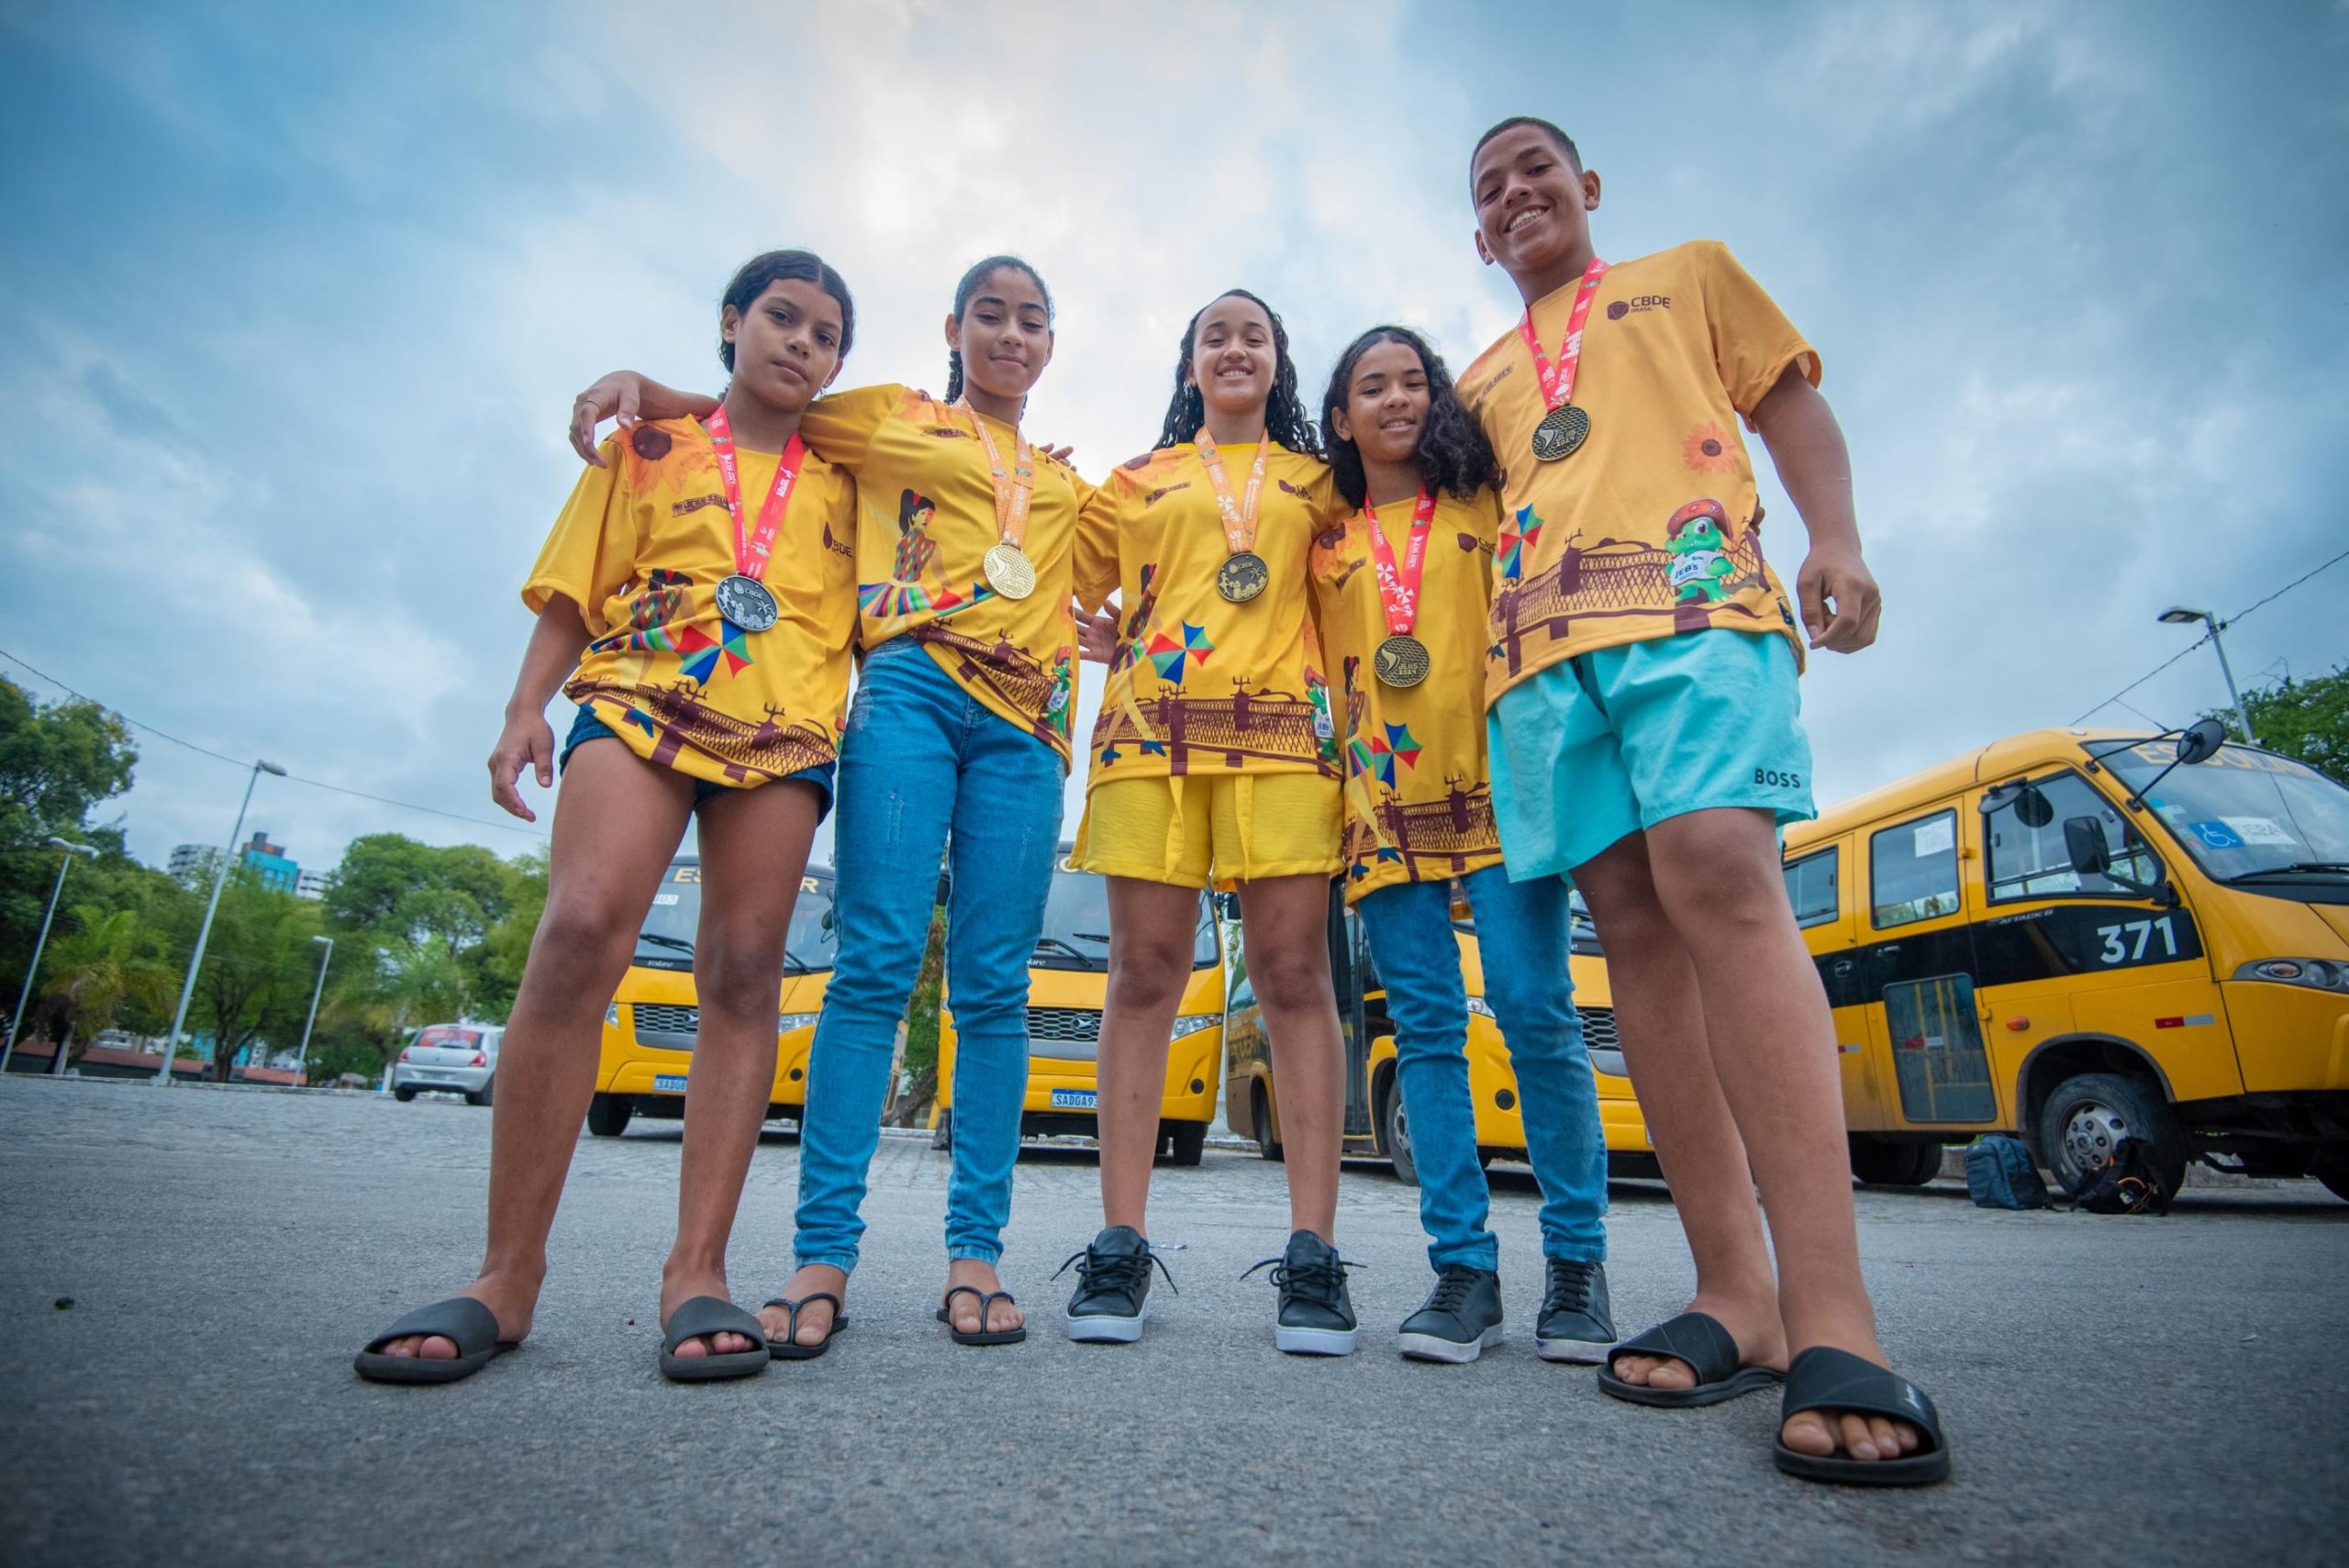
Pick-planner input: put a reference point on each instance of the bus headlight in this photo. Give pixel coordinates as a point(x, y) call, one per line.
point(2319, 974)
point(785, 1022)
point(1480, 1006)
point(1192, 1023)
point(612, 1016)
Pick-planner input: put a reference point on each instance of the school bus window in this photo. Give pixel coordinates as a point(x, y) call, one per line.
point(2029, 857)
point(1810, 887)
point(2242, 814)
point(1912, 870)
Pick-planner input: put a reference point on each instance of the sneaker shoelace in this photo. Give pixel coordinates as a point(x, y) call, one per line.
point(1323, 1281)
point(1569, 1284)
point(1452, 1288)
point(1126, 1271)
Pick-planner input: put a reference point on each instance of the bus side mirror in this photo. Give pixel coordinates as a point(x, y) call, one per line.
point(2201, 741)
point(2084, 842)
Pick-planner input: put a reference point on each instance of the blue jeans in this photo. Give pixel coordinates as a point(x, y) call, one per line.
point(1522, 931)
point(920, 761)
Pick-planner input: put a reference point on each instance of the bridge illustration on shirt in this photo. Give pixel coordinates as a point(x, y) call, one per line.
point(1439, 835)
point(1610, 580)
point(1262, 724)
point(1002, 666)
point(679, 720)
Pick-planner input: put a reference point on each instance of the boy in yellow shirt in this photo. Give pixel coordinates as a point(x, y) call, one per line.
point(1645, 741)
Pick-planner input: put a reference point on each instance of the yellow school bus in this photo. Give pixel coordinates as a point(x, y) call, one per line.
point(2077, 936)
point(649, 1027)
point(1068, 985)
point(1376, 1126)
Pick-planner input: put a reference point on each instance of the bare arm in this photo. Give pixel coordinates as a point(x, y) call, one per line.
point(628, 397)
point(1839, 598)
point(528, 742)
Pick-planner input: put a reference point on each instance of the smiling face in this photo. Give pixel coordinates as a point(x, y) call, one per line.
point(1532, 203)
point(1387, 404)
point(1233, 357)
point(787, 345)
point(1005, 334)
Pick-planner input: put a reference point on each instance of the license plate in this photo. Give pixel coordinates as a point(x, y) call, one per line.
point(1074, 1099)
point(670, 1083)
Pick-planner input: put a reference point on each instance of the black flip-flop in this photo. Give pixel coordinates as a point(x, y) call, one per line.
point(462, 1321)
point(702, 1317)
point(981, 1336)
point(1707, 1347)
point(788, 1348)
point(1823, 1378)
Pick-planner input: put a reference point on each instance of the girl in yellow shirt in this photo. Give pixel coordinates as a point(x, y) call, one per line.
point(956, 745)
point(688, 593)
point(1215, 761)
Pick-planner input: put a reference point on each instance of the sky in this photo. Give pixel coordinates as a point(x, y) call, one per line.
point(294, 301)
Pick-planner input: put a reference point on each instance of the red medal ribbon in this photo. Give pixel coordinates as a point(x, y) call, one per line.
point(1398, 589)
point(1558, 381)
point(750, 554)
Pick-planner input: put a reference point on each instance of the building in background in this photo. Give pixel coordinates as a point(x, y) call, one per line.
point(312, 884)
point(269, 861)
point(194, 863)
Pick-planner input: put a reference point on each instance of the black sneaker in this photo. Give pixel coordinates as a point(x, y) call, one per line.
point(1575, 1325)
point(1316, 1318)
point(1461, 1316)
point(1112, 1300)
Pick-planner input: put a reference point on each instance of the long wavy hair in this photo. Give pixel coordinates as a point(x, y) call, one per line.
point(979, 271)
point(1285, 415)
point(1453, 455)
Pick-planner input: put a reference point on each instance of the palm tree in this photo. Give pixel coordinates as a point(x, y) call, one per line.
point(105, 960)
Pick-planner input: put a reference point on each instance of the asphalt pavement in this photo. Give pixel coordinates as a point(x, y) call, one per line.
point(2138, 1391)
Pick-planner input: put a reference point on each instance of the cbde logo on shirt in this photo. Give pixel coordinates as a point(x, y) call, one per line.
point(1619, 308)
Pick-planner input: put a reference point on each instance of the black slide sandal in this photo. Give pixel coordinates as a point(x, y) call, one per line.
point(1710, 1350)
point(983, 1337)
point(1823, 1379)
point(462, 1321)
point(788, 1348)
point(702, 1317)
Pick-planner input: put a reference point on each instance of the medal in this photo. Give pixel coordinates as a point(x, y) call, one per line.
point(746, 602)
point(1243, 573)
point(1402, 659)
point(1008, 571)
point(740, 596)
point(1005, 566)
point(1564, 428)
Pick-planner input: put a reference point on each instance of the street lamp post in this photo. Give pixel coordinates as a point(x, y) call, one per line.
point(64, 860)
point(2178, 615)
point(203, 932)
point(301, 1065)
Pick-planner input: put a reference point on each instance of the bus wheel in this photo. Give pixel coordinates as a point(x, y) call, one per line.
point(1895, 1164)
point(1260, 1112)
point(607, 1115)
point(2085, 1118)
point(1395, 1132)
point(1189, 1139)
point(2331, 1167)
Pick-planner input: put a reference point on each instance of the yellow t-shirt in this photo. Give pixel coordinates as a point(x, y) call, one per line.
point(1197, 683)
point(641, 548)
point(927, 520)
point(1653, 527)
point(1418, 796)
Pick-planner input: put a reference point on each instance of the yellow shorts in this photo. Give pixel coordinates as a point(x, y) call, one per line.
point(1217, 830)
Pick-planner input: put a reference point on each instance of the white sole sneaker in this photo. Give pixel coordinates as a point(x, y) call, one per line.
point(1099, 1330)
point(1314, 1341)
point(1575, 1352)
point(1429, 1347)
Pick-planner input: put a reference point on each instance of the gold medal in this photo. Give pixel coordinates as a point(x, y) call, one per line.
point(1400, 661)
point(1242, 576)
point(1008, 571)
point(1561, 433)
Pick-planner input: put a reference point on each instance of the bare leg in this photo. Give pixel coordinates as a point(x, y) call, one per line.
point(616, 824)
point(1284, 921)
point(754, 850)
point(1153, 926)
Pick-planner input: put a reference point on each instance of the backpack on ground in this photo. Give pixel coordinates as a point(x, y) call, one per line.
point(1999, 1174)
point(2127, 1183)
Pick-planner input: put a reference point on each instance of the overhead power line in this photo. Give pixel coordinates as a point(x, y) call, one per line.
point(247, 761)
point(2255, 603)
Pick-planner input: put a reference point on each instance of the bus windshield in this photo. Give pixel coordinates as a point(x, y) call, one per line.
point(666, 939)
point(2245, 813)
point(1076, 927)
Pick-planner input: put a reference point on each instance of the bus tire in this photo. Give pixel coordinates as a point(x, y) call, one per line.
point(1189, 1141)
point(2331, 1166)
point(1395, 1134)
point(1260, 1112)
point(607, 1115)
point(1885, 1163)
point(2087, 1115)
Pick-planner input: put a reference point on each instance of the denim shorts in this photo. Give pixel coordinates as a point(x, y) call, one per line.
point(587, 727)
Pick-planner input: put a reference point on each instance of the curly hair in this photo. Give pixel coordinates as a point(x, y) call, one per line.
point(1453, 455)
point(759, 272)
point(1284, 416)
point(979, 271)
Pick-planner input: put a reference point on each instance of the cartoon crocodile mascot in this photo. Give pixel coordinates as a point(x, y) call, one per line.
point(1697, 541)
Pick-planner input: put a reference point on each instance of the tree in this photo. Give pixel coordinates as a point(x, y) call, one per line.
point(56, 764)
point(396, 889)
point(2304, 720)
point(258, 965)
point(107, 959)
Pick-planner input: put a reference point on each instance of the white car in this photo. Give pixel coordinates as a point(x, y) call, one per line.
point(459, 1059)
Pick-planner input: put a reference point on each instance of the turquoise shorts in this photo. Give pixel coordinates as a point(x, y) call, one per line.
point(1611, 742)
